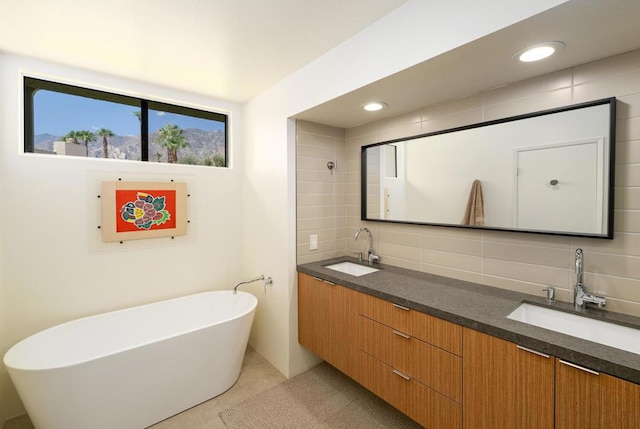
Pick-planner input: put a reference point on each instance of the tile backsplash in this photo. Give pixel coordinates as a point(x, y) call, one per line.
point(328, 202)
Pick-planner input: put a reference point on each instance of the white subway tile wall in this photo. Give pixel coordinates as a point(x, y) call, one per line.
point(329, 204)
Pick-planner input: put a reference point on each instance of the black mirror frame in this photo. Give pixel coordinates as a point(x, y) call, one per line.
point(611, 101)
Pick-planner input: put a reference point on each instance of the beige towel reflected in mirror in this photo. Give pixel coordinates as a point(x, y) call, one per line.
point(474, 214)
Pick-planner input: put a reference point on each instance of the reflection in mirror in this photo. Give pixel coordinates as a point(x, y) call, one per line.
point(549, 172)
point(390, 161)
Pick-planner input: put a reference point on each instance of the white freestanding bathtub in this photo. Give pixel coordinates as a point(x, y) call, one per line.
point(134, 367)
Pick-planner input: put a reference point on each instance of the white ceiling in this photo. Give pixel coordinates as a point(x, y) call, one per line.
point(230, 49)
point(591, 30)
point(234, 49)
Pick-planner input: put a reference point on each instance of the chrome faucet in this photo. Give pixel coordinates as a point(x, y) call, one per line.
point(580, 294)
point(267, 280)
point(371, 256)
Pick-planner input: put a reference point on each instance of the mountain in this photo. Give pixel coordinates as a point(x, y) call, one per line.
point(202, 144)
point(41, 138)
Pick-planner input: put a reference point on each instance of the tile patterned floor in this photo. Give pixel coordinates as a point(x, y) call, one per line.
point(256, 375)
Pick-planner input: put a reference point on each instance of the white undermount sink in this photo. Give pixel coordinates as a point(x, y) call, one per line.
point(352, 269)
point(598, 331)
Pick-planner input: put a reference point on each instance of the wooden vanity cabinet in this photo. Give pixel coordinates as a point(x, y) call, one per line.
point(409, 359)
point(415, 362)
point(327, 322)
point(586, 399)
point(510, 387)
point(506, 386)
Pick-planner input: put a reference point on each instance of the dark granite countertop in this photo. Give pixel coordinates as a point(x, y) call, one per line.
point(485, 309)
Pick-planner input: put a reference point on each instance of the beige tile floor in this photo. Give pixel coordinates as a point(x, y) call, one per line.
point(256, 375)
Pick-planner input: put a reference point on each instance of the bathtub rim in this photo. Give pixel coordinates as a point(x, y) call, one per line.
point(13, 349)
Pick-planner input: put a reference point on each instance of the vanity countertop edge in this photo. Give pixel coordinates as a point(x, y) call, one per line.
point(485, 309)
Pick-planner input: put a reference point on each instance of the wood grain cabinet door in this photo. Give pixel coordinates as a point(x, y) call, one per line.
point(620, 401)
point(586, 399)
point(342, 314)
point(313, 327)
point(328, 322)
point(505, 386)
point(534, 400)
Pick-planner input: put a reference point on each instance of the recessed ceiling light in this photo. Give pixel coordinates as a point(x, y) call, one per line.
point(538, 52)
point(374, 106)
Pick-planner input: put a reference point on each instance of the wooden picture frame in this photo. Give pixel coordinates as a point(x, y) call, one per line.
point(140, 210)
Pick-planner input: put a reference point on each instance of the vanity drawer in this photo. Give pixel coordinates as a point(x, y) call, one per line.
point(438, 332)
point(388, 345)
point(431, 366)
point(435, 331)
point(417, 401)
point(437, 369)
point(385, 312)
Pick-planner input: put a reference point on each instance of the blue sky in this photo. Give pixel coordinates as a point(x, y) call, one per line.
point(57, 114)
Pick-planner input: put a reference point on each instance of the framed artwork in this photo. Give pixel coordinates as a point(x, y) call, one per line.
point(137, 210)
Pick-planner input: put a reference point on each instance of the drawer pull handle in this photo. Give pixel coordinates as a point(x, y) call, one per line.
point(401, 374)
point(401, 307)
point(573, 365)
point(329, 283)
point(533, 351)
point(318, 278)
point(401, 334)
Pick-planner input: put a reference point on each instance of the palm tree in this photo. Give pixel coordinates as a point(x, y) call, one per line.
point(172, 137)
point(138, 114)
point(105, 134)
point(86, 136)
point(71, 135)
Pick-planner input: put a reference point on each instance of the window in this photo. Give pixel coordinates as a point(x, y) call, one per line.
point(62, 119)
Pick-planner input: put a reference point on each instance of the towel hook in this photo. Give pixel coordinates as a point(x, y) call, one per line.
point(331, 165)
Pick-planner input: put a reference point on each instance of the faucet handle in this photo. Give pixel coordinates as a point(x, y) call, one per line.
point(551, 294)
point(600, 301)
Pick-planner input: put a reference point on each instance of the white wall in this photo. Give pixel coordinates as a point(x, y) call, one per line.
point(415, 32)
point(53, 265)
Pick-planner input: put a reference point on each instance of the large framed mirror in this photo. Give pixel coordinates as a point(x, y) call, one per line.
point(546, 172)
